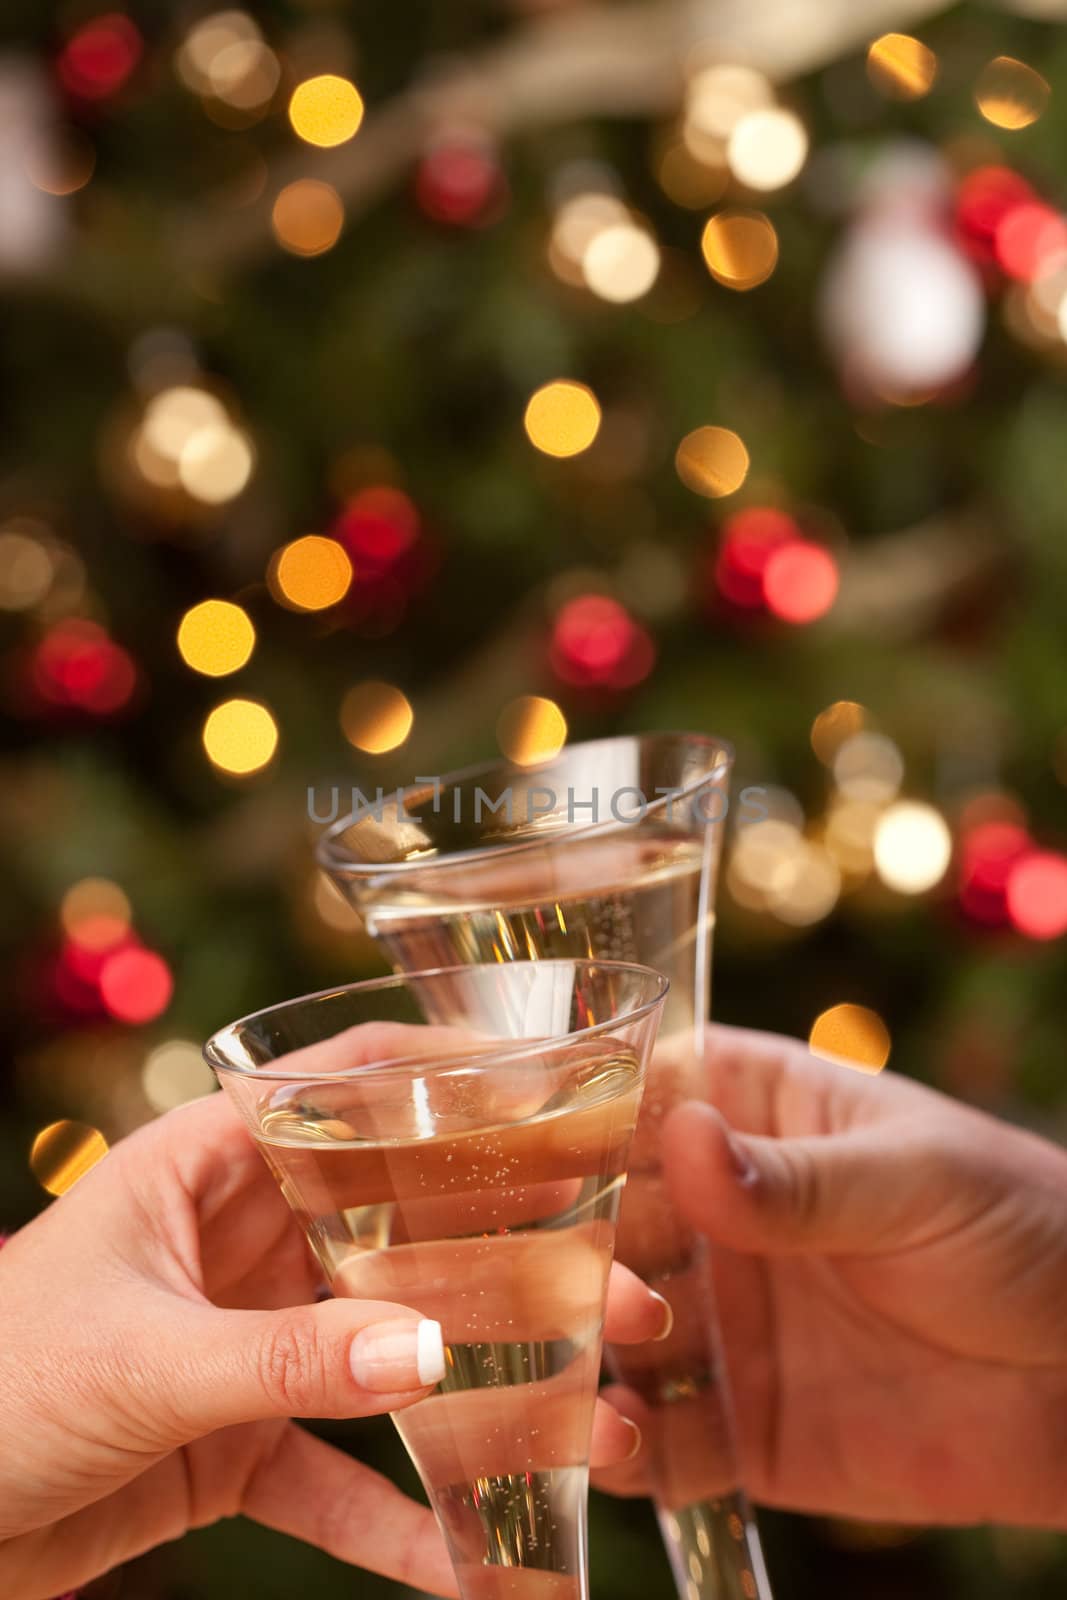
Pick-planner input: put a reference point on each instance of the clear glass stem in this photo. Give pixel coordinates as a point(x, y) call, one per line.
point(714, 1550)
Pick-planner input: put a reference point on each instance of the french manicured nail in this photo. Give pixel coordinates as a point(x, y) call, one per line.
point(667, 1314)
point(390, 1356)
point(742, 1163)
point(636, 1442)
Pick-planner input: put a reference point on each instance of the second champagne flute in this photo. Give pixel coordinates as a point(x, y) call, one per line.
point(610, 851)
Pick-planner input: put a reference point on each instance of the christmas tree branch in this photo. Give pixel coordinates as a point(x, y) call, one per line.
point(596, 61)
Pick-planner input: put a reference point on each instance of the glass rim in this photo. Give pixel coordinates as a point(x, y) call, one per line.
point(330, 857)
point(403, 1064)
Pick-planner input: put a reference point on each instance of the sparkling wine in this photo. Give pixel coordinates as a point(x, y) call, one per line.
point(628, 895)
point(488, 1202)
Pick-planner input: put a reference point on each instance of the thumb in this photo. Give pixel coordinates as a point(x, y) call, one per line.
point(341, 1358)
point(843, 1193)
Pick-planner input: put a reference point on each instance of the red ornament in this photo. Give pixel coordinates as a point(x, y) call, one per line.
point(99, 57)
point(597, 644)
point(76, 665)
point(459, 182)
point(800, 581)
point(1036, 894)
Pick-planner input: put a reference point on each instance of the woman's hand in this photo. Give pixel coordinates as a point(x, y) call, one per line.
point(157, 1332)
point(892, 1275)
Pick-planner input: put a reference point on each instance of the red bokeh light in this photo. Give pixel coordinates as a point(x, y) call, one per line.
point(749, 540)
point(135, 985)
point(1029, 239)
point(460, 182)
point(988, 855)
point(377, 527)
point(983, 199)
point(800, 581)
point(97, 60)
point(596, 643)
point(1036, 894)
point(76, 664)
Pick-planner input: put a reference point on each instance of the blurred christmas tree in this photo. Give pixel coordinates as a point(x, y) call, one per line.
point(385, 389)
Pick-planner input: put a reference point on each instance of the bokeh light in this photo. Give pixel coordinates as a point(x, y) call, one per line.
point(326, 110)
point(800, 581)
point(97, 60)
point(808, 887)
point(712, 461)
point(1037, 894)
point(376, 717)
point(377, 527)
point(173, 1073)
point(1030, 239)
point(836, 723)
point(216, 637)
point(848, 834)
point(531, 729)
point(62, 164)
point(562, 418)
point(912, 847)
point(989, 852)
point(216, 463)
point(851, 1034)
point(740, 248)
point(311, 573)
point(767, 149)
point(621, 263)
point(597, 643)
point(459, 181)
point(1009, 94)
point(64, 1152)
point(77, 665)
point(95, 913)
point(869, 767)
point(717, 98)
point(26, 570)
point(135, 985)
point(307, 217)
point(203, 52)
point(240, 736)
point(577, 223)
point(689, 181)
point(901, 67)
point(749, 539)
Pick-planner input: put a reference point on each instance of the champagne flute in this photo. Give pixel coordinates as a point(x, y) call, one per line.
point(609, 850)
point(470, 1169)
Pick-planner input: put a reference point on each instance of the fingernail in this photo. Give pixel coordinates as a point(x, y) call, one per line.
point(667, 1314)
point(636, 1442)
point(744, 1167)
point(406, 1354)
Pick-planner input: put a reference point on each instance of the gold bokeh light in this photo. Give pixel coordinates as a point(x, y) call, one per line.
point(216, 637)
point(95, 913)
point(901, 67)
point(912, 847)
point(836, 723)
point(376, 717)
point(64, 1152)
point(621, 263)
point(853, 1035)
point(712, 461)
point(311, 573)
point(531, 729)
point(326, 110)
point(740, 248)
point(307, 217)
point(216, 463)
point(240, 736)
point(562, 418)
point(1011, 95)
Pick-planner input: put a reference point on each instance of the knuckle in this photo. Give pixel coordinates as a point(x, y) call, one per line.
point(802, 1190)
point(291, 1364)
